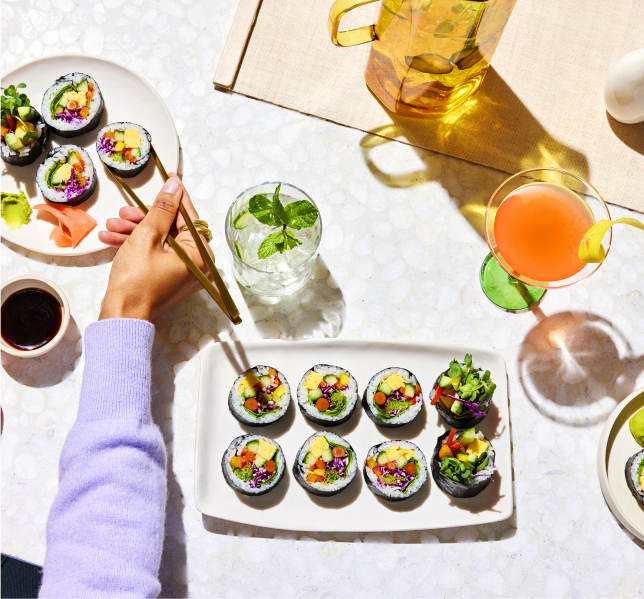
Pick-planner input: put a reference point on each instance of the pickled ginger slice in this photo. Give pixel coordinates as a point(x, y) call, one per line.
point(73, 224)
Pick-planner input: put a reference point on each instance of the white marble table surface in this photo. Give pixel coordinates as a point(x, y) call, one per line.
point(399, 259)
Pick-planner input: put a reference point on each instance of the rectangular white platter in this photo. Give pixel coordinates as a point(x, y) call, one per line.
point(355, 509)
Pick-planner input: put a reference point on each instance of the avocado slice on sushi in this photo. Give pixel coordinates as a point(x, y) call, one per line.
point(259, 396)
point(395, 470)
point(463, 394)
point(325, 464)
point(463, 463)
point(327, 395)
point(253, 465)
point(393, 397)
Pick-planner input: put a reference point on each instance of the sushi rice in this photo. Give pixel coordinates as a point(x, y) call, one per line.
point(394, 491)
point(313, 378)
point(376, 414)
point(261, 481)
point(318, 445)
point(275, 404)
point(106, 148)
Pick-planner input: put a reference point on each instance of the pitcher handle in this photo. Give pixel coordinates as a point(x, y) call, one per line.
point(353, 37)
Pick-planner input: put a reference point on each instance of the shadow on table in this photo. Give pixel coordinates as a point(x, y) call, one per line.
point(570, 363)
point(631, 135)
point(317, 310)
point(51, 368)
point(499, 132)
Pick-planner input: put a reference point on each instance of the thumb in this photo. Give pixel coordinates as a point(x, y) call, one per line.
point(164, 210)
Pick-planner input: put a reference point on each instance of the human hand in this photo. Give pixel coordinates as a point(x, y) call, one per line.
point(147, 277)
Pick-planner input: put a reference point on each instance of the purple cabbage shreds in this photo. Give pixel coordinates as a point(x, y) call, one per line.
point(480, 474)
point(106, 145)
point(339, 465)
point(260, 476)
point(69, 117)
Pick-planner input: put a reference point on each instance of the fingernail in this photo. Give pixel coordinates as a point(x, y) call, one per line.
point(171, 185)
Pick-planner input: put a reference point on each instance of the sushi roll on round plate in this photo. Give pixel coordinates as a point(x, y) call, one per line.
point(259, 396)
point(24, 132)
point(253, 465)
point(393, 397)
point(325, 464)
point(395, 470)
point(327, 395)
point(124, 148)
point(463, 463)
point(67, 176)
point(463, 394)
point(634, 472)
point(73, 105)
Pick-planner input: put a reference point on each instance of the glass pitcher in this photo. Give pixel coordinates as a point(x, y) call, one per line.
point(428, 56)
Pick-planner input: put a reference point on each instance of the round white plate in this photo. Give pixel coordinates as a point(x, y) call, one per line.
point(616, 445)
point(128, 97)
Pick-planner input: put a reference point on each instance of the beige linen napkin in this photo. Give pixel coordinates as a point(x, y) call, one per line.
point(541, 103)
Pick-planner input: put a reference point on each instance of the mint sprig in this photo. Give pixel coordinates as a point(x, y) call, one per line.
point(296, 215)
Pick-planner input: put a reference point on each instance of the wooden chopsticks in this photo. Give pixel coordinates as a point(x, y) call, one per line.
point(221, 295)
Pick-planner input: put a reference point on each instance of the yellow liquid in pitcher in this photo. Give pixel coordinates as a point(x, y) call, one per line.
point(430, 56)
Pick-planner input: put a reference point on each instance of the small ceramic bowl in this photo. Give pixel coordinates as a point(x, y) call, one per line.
point(32, 281)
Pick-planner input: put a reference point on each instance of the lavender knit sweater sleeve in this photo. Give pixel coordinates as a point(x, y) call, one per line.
point(105, 529)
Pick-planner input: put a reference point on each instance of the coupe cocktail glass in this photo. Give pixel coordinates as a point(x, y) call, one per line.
point(534, 224)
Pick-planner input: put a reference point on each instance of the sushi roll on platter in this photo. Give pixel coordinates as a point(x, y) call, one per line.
point(463, 394)
point(24, 132)
point(325, 464)
point(395, 470)
point(73, 105)
point(393, 397)
point(259, 396)
point(463, 463)
point(67, 176)
point(253, 465)
point(327, 395)
point(124, 148)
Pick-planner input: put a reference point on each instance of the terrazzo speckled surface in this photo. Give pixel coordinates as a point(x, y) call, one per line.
point(399, 259)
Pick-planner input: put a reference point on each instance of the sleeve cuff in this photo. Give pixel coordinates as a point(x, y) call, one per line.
point(117, 377)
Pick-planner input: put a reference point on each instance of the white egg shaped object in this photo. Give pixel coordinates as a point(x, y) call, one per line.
point(624, 90)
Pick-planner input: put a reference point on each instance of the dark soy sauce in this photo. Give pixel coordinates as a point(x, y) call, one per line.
point(31, 318)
